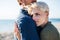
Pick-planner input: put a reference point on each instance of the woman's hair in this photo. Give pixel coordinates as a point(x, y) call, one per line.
point(34, 1)
point(41, 6)
point(21, 1)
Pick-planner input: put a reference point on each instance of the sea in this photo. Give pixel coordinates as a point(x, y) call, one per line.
point(8, 25)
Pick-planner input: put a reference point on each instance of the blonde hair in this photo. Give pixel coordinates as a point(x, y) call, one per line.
point(39, 5)
point(21, 1)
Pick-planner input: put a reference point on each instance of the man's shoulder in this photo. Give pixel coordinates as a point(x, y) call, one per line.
point(50, 32)
point(50, 28)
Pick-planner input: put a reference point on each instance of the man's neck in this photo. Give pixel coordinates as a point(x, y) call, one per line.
point(43, 25)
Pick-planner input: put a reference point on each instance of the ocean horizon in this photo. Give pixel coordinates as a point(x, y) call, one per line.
point(8, 25)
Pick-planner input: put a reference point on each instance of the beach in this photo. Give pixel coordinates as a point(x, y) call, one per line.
point(6, 36)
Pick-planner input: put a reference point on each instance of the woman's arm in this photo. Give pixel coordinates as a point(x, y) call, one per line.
point(16, 31)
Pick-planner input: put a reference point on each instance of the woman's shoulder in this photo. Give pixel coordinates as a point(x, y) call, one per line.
point(24, 18)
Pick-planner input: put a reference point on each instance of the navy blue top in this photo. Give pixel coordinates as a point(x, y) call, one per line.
point(27, 26)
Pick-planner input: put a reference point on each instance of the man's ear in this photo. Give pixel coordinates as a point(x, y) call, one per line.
point(47, 13)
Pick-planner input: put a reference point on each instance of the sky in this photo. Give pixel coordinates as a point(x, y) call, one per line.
point(9, 9)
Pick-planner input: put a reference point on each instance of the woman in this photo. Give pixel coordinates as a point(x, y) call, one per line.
point(25, 24)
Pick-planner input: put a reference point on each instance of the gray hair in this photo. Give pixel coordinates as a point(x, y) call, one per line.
point(40, 5)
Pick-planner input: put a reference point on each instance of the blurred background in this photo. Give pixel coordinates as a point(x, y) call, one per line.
point(9, 10)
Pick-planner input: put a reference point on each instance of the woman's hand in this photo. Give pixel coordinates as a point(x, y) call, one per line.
point(16, 32)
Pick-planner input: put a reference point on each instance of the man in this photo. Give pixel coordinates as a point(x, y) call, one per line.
point(45, 29)
point(25, 24)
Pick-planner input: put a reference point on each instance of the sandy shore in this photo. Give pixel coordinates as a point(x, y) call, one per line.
point(6, 36)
